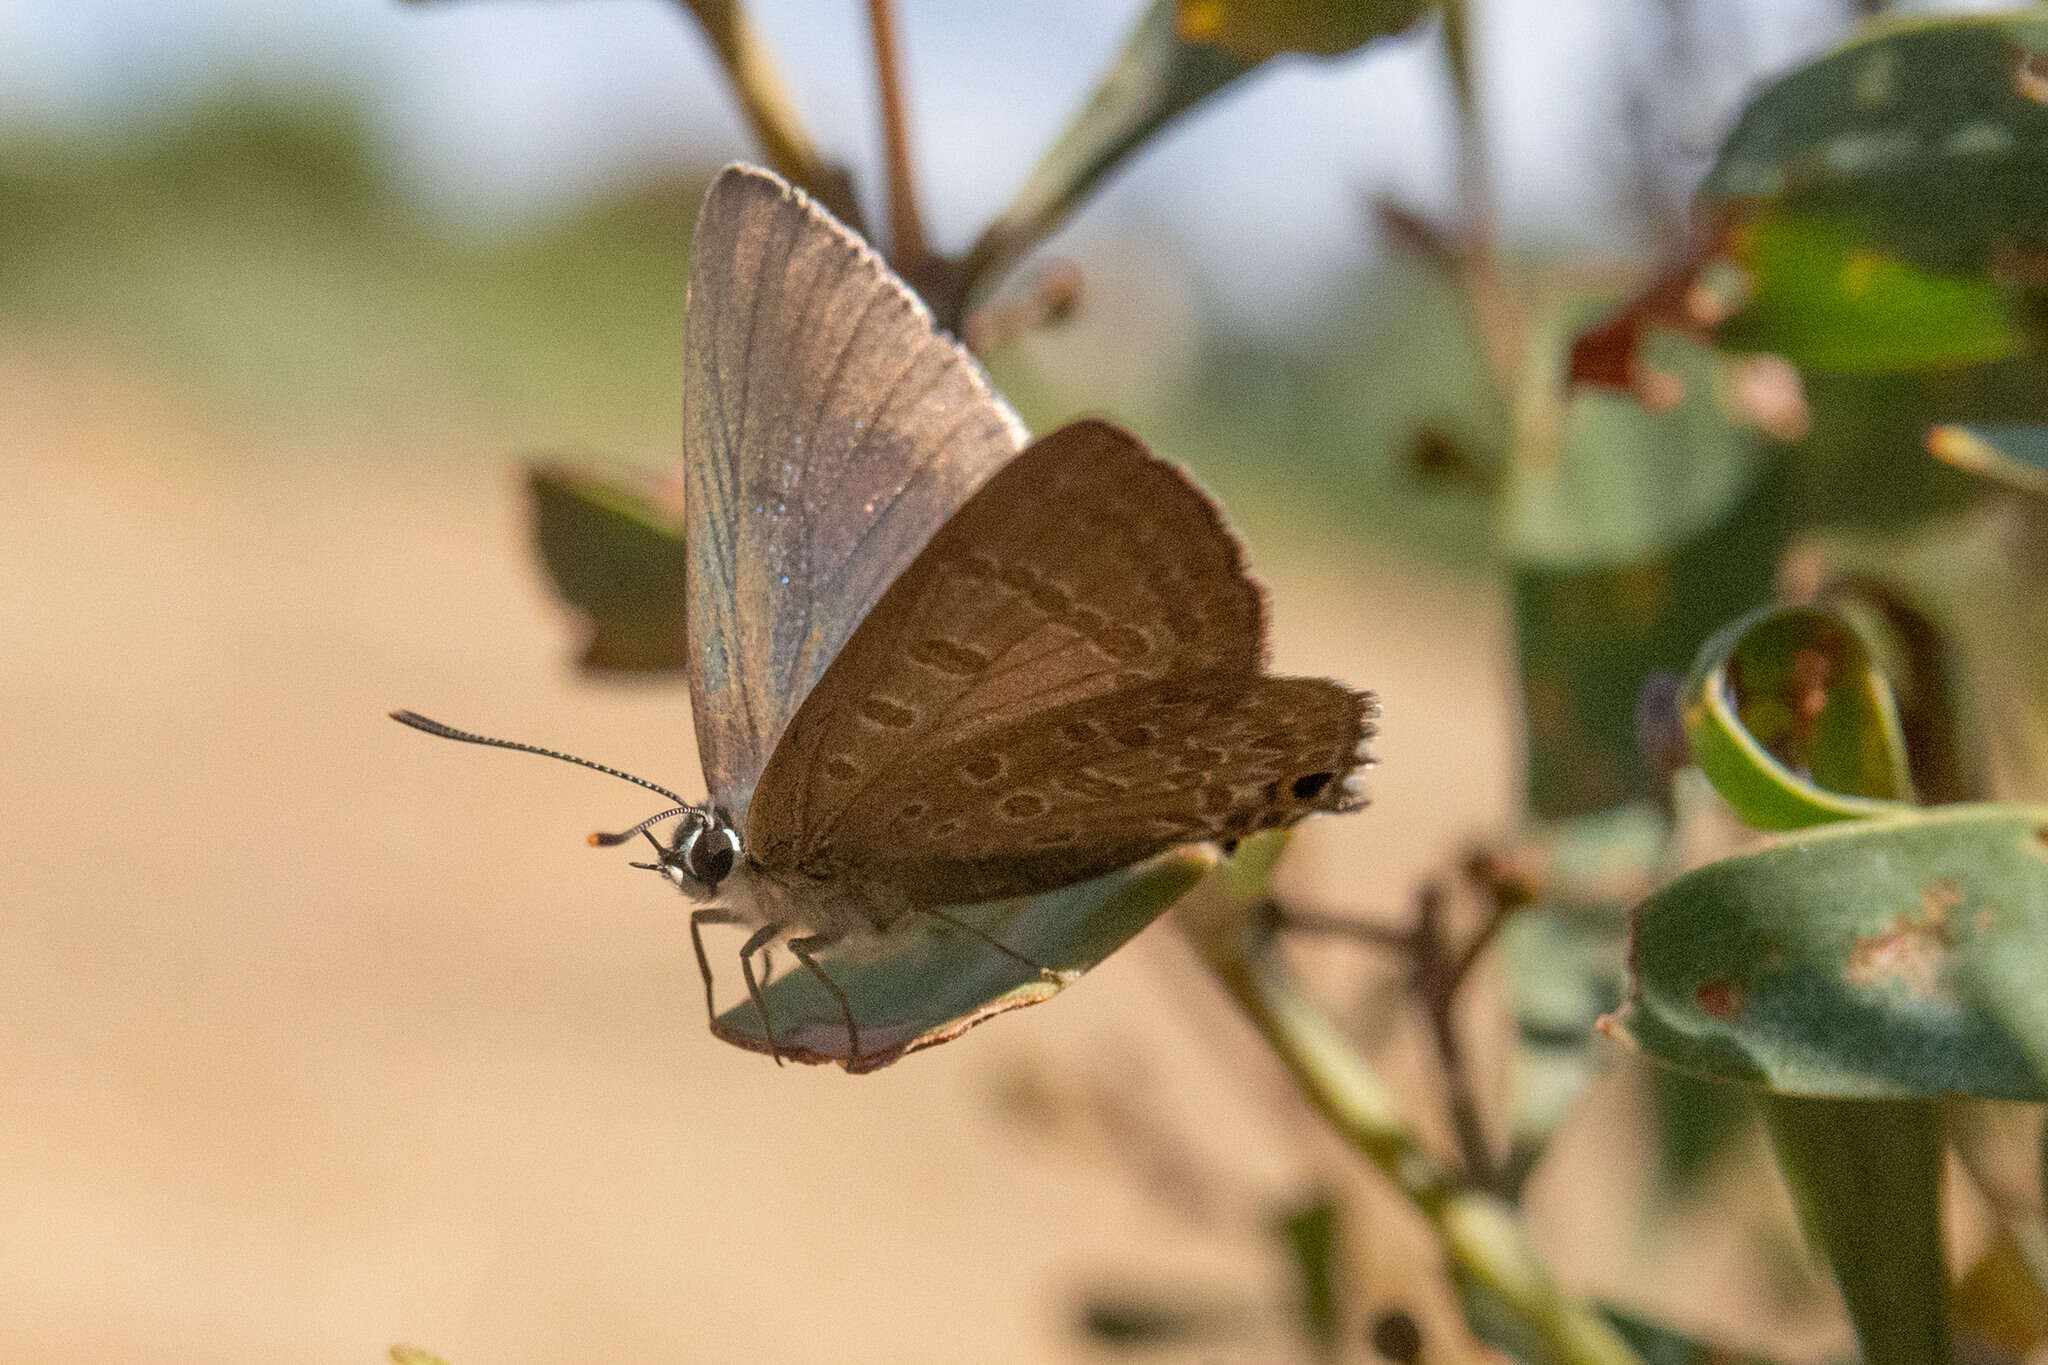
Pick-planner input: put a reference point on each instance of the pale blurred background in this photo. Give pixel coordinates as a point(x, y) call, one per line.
point(316, 1036)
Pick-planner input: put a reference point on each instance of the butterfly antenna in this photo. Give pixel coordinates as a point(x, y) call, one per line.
point(435, 727)
point(613, 840)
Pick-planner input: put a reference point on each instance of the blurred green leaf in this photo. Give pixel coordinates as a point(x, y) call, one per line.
point(1591, 641)
point(1139, 1320)
point(1662, 1346)
point(1697, 1122)
point(1789, 717)
point(1903, 956)
point(1160, 74)
point(1310, 1235)
point(1564, 960)
point(2000, 1301)
point(1599, 481)
point(1254, 30)
point(1889, 203)
point(1866, 1179)
point(413, 1355)
point(617, 557)
point(927, 982)
point(2015, 457)
point(1825, 299)
point(1633, 534)
point(1564, 972)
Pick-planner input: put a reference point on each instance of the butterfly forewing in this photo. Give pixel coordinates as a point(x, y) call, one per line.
point(1065, 681)
point(829, 430)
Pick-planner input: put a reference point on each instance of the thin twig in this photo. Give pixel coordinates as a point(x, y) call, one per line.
point(1480, 1234)
point(906, 225)
point(770, 112)
point(1495, 309)
point(1435, 974)
point(1436, 978)
point(1342, 926)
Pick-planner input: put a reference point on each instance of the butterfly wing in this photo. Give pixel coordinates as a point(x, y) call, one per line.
point(1068, 679)
point(829, 429)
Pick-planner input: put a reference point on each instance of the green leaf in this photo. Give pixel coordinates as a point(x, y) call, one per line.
point(1161, 74)
point(1254, 30)
point(928, 982)
point(1899, 957)
point(2000, 1301)
point(1564, 960)
point(1130, 1319)
point(1889, 203)
point(1662, 1346)
point(1633, 534)
point(1825, 298)
point(1310, 1235)
point(413, 1355)
point(1792, 721)
point(1866, 1179)
point(1598, 480)
point(617, 557)
point(2014, 456)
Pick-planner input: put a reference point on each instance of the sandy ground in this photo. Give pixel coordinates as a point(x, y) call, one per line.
point(317, 1035)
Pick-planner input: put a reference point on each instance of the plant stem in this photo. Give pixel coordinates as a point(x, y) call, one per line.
point(1495, 309)
point(764, 99)
point(1480, 1234)
point(906, 225)
point(1437, 977)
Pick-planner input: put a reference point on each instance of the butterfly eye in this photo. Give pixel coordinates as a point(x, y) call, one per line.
point(709, 857)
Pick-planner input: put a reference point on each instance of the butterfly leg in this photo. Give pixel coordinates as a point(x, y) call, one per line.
point(992, 941)
point(804, 948)
point(760, 939)
point(710, 914)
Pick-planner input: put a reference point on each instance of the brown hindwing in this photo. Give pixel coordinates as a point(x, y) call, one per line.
point(1066, 680)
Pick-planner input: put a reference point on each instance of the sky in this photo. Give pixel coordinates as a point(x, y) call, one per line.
point(502, 112)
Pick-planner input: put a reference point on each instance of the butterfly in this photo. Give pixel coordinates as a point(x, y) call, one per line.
point(933, 664)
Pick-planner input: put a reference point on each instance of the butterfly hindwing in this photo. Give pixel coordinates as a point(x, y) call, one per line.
point(830, 429)
point(1104, 783)
point(1079, 637)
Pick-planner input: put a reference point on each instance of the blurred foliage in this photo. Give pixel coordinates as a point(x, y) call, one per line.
point(256, 251)
point(617, 557)
point(1310, 1235)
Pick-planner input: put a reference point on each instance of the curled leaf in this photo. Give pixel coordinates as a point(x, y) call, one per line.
point(1789, 717)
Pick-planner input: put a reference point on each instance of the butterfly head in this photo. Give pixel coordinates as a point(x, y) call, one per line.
point(701, 853)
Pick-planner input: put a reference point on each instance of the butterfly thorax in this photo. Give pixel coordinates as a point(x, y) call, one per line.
point(843, 907)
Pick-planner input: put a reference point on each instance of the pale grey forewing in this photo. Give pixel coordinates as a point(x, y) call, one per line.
point(1067, 680)
point(829, 429)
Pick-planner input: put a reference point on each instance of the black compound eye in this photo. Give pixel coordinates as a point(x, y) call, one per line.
point(710, 856)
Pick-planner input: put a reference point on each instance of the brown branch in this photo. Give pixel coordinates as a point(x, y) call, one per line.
point(1495, 309)
point(770, 112)
point(1435, 972)
point(1436, 978)
point(906, 225)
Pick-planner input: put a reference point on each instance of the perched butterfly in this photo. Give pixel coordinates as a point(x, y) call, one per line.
point(930, 665)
